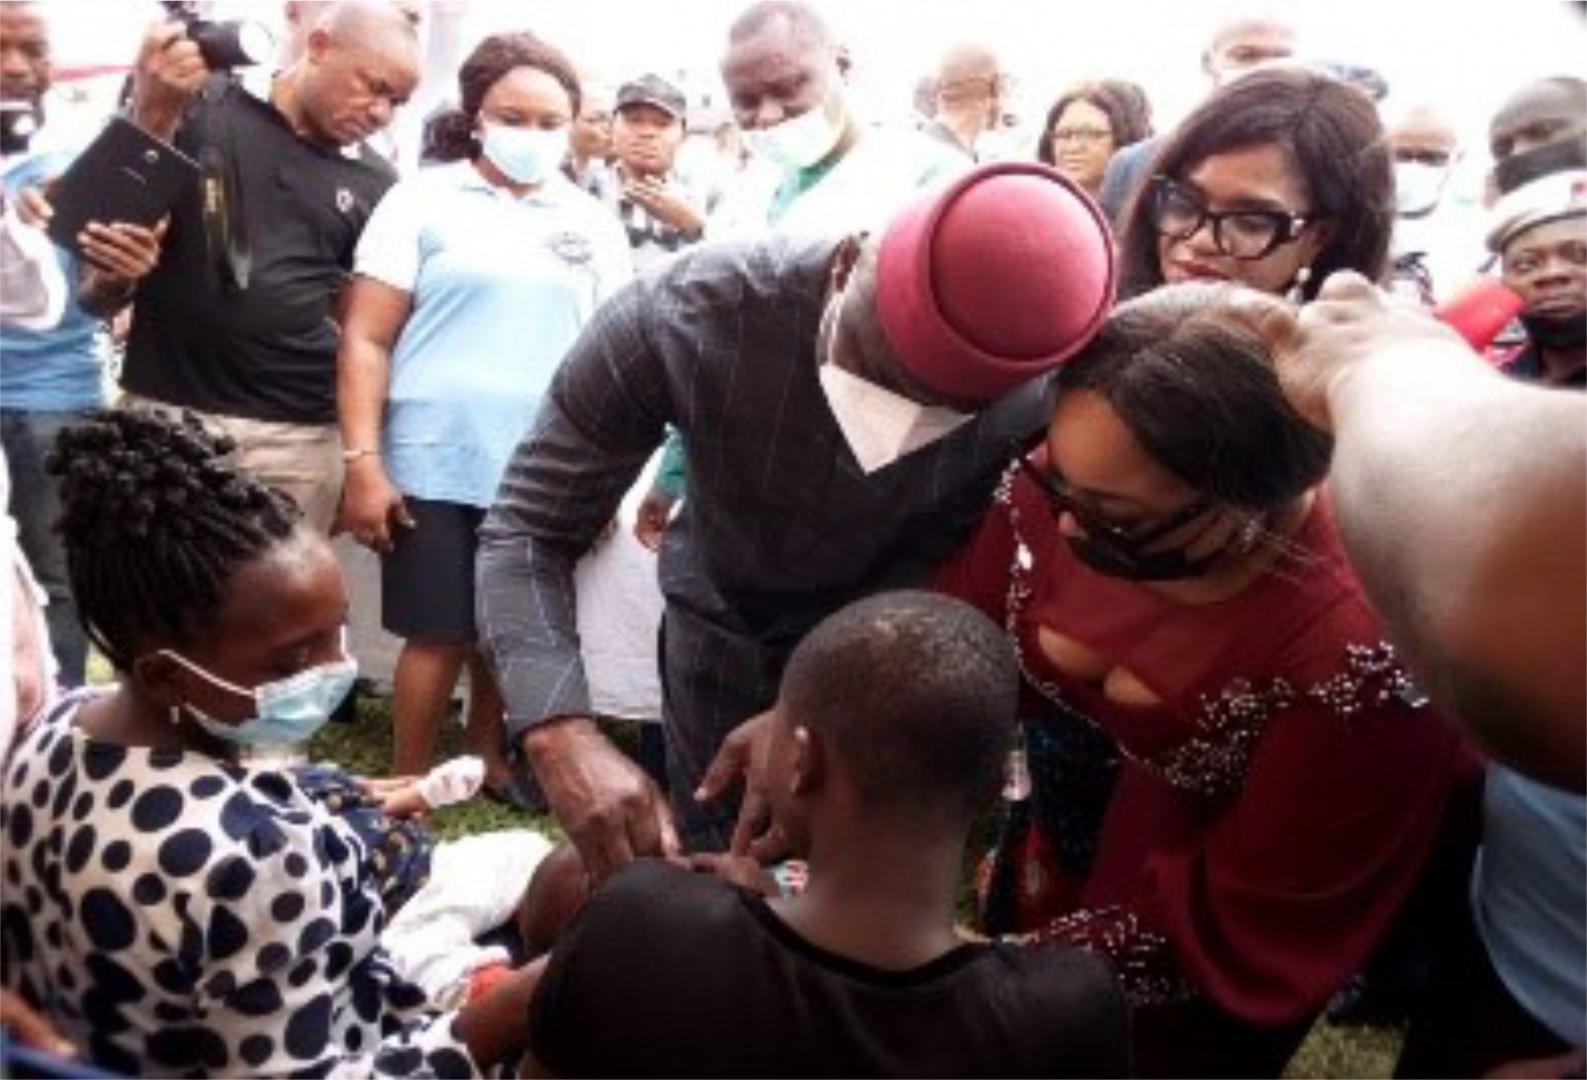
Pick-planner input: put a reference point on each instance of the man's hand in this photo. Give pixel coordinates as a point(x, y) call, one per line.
point(122, 250)
point(650, 523)
point(168, 74)
point(740, 870)
point(1316, 348)
point(371, 505)
point(611, 810)
point(744, 756)
point(662, 202)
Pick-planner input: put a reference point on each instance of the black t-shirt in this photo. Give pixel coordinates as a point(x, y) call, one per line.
point(266, 351)
point(669, 973)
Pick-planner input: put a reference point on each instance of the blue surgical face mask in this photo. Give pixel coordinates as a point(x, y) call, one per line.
point(287, 710)
point(524, 155)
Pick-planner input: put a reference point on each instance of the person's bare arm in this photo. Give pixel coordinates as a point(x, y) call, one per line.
point(497, 1025)
point(371, 504)
point(1462, 499)
point(167, 76)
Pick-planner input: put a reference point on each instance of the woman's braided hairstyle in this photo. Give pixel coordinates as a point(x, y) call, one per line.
point(154, 523)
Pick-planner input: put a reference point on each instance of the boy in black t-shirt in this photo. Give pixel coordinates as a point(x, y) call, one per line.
point(892, 724)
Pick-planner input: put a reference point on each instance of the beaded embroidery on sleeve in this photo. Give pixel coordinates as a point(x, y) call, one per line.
point(1211, 763)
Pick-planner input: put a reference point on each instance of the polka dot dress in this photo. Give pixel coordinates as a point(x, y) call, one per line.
point(178, 915)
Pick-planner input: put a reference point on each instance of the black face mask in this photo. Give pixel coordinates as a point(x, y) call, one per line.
point(1555, 332)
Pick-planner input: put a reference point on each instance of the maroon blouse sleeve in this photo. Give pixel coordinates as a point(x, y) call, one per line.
point(1287, 890)
point(979, 572)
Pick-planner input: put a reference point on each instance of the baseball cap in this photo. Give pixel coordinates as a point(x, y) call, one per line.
point(652, 89)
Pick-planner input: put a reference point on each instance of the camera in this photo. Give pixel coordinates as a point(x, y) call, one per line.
point(224, 45)
point(19, 122)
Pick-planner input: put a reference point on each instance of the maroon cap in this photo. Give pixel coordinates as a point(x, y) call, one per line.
point(993, 281)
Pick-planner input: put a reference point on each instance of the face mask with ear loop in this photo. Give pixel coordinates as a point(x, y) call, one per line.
point(1418, 187)
point(286, 710)
point(880, 426)
point(524, 155)
point(798, 142)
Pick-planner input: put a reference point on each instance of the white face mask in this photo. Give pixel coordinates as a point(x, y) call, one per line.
point(879, 425)
point(1418, 187)
point(524, 155)
point(995, 144)
point(800, 142)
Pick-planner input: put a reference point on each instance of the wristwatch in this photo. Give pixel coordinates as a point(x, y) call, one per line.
point(353, 453)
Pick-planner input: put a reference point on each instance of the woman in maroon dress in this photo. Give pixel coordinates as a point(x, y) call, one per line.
point(1229, 784)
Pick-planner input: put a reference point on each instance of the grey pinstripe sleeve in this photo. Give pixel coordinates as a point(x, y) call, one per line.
point(600, 421)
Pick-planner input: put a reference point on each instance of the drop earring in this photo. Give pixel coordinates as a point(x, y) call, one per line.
point(1250, 532)
point(1296, 294)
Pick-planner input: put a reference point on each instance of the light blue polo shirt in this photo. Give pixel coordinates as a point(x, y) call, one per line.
point(1529, 893)
point(54, 370)
point(501, 286)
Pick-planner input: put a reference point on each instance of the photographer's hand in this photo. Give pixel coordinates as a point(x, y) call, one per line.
point(169, 73)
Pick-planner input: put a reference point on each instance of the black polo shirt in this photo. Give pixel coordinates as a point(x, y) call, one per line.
point(265, 350)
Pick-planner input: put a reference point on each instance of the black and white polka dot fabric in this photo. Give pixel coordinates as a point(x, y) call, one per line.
point(178, 915)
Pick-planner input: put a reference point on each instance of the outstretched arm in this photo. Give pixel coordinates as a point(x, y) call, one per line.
point(1462, 499)
point(601, 420)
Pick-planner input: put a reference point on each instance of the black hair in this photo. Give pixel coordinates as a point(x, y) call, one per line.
point(154, 523)
point(915, 693)
point(1331, 134)
point(450, 135)
point(1197, 389)
point(1123, 103)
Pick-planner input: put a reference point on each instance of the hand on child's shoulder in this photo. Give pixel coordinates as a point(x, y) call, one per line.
point(740, 870)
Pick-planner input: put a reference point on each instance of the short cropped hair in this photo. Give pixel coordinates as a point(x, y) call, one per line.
point(915, 694)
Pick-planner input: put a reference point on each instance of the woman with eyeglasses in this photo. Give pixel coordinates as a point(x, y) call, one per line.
point(1088, 124)
point(1276, 181)
point(1225, 782)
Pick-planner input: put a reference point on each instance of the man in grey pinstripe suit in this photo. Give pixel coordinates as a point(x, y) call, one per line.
point(847, 406)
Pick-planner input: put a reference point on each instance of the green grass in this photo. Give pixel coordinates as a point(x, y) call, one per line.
point(1331, 1051)
point(364, 748)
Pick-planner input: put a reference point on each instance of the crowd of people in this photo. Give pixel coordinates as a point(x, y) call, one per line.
point(1193, 485)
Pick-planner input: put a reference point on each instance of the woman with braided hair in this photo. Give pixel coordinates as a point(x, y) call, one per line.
point(171, 906)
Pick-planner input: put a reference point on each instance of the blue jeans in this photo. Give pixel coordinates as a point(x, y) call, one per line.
point(36, 504)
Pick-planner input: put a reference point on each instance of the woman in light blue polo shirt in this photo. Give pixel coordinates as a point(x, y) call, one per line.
point(472, 279)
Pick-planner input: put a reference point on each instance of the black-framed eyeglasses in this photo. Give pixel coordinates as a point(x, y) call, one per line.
point(1178, 213)
point(1127, 538)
